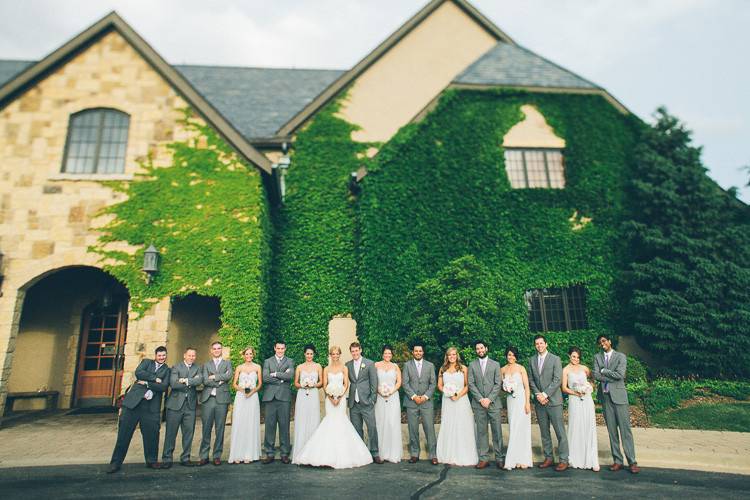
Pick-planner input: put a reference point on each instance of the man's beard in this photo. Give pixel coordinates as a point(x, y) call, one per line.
point(482, 356)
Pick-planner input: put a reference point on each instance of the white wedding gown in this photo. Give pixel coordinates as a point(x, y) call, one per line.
point(583, 448)
point(456, 443)
point(306, 412)
point(335, 443)
point(519, 424)
point(388, 420)
point(245, 441)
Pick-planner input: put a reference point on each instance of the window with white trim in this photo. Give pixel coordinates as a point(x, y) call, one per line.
point(96, 143)
point(535, 168)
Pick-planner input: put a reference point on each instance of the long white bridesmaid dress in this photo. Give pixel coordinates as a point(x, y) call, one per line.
point(456, 443)
point(519, 423)
point(306, 412)
point(245, 440)
point(583, 447)
point(388, 420)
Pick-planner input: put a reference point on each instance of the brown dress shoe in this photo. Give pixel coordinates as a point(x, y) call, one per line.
point(413, 460)
point(482, 464)
point(268, 459)
point(634, 469)
point(217, 461)
point(434, 461)
point(203, 462)
point(285, 460)
point(561, 467)
point(500, 464)
point(615, 467)
point(377, 460)
point(153, 465)
point(547, 463)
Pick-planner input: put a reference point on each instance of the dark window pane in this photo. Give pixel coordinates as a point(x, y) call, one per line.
point(109, 336)
point(90, 363)
point(106, 363)
point(92, 349)
point(556, 309)
point(97, 141)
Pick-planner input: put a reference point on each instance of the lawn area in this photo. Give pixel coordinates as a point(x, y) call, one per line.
point(710, 417)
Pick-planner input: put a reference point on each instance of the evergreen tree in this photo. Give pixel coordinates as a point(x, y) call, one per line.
point(688, 275)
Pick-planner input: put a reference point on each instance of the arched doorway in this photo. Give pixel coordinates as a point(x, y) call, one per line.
point(72, 327)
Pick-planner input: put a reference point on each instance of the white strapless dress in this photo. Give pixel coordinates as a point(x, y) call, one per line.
point(306, 413)
point(245, 440)
point(335, 443)
point(583, 447)
point(388, 420)
point(456, 443)
point(519, 426)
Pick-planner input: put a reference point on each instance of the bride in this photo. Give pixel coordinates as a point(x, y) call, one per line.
point(335, 442)
point(456, 443)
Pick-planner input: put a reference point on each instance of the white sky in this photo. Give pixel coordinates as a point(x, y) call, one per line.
point(689, 55)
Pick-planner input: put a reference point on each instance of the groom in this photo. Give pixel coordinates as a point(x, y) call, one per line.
point(545, 371)
point(485, 384)
point(278, 373)
point(419, 387)
point(363, 388)
point(609, 369)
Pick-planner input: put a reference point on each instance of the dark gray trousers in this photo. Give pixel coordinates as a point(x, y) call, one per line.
point(150, 426)
point(359, 413)
point(183, 420)
point(547, 415)
point(277, 413)
point(427, 413)
point(617, 417)
point(213, 415)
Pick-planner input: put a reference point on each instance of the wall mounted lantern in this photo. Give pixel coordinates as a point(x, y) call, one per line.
point(151, 262)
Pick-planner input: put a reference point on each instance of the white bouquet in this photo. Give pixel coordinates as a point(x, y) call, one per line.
point(510, 385)
point(584, 388)
point(246, 385)
point(335, 390)
point(450, 390)
point(386, 390)
point(308, 383)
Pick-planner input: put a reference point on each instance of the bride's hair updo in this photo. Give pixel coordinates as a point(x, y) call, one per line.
point(248, 348)
point(334, 348)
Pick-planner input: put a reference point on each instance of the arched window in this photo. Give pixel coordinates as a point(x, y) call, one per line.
point(97, 140)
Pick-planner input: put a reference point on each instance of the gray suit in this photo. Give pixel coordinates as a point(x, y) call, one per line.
point(420, 384)
point(181, 406)
point(614, 399)
point(364, 386)
point(277, 399)
point(214, 407)
point(487, 385)
point(549, 382)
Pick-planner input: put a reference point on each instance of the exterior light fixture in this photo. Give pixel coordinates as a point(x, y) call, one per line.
point(151, 262)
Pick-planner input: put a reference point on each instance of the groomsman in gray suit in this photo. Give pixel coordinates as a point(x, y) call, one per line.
point(545, 381)
point(363, 389)
point(485, 385)
point(278, 374)
point(609, 369)
point(181, 404)
point(142, 406)
point(418, 382)
point(217, 374)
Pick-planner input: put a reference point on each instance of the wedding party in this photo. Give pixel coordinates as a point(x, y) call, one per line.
point(364, 394)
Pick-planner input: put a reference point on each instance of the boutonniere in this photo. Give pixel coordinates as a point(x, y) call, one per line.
point(362, 366)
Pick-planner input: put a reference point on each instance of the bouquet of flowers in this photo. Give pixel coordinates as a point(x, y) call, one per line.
point(450, 390)
point(246, 385)
point(336, 391)
point(510, 385)
point(386, 390)
point(308, 383)
point(584, 388)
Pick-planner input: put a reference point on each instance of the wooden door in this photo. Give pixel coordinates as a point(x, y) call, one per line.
point(101, 356)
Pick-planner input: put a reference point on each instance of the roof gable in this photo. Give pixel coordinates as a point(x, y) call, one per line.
point(29, 76)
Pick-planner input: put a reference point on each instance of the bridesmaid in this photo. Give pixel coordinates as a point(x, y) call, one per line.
point(456, 443)
point(308, 378)
point(584, 450)
point(516, 385)
point(388, 408)
point(245, 441)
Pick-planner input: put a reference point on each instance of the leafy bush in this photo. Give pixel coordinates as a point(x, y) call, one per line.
point(637, 372)
point(731, 389)
point(665, 394)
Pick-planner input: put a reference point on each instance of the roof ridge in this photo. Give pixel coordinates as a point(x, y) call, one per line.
point(231, 66)
point(553, 63)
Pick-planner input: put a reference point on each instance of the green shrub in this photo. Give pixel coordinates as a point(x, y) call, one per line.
point(664, 394)
point(731, 389)
point(636, 372)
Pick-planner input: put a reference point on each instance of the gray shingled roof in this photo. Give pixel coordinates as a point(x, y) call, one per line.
point(256, 101)
point(506, 64)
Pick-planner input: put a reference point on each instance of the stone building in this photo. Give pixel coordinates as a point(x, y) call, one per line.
point(87, 112)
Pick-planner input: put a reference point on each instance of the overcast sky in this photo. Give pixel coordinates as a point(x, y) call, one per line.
point(689, 55)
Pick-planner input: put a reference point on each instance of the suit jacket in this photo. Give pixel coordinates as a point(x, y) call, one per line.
point(365, 382)
point(223, 377)
point(280, 386)
point(614, 375)
point(418, 385)
point(147, 372)
point(181, 393)
point(549, 381)
point(488, 385)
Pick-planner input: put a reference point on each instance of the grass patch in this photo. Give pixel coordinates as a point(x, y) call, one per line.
point(711, 417)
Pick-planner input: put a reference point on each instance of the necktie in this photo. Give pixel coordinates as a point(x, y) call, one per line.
point(606, 365)
point(541, 363)
point(483, 364)
point(419, 369)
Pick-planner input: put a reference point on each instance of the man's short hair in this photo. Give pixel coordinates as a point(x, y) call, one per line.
point(159, 349)
point(355, 344)
point(217, 342)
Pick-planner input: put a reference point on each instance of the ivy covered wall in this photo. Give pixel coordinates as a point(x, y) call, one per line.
point(207, 213)
point(438, 191)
